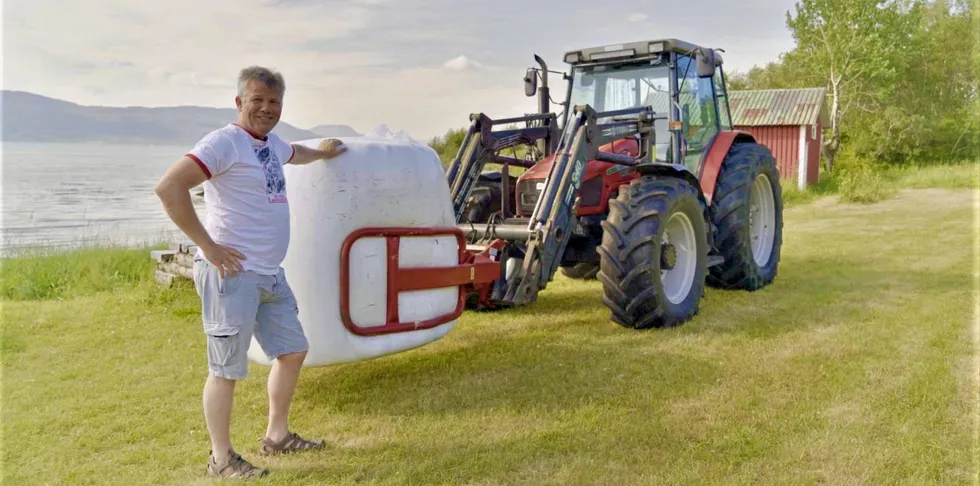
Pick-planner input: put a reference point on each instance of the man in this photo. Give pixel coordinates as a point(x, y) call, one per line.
point(237, 270)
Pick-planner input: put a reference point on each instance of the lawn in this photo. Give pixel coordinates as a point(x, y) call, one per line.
point(859, 365)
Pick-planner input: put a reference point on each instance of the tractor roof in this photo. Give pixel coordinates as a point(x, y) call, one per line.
point(630, 51)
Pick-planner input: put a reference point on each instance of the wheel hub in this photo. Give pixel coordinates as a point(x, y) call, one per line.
point(678, 257)
point(668, 256)
point(762, 220)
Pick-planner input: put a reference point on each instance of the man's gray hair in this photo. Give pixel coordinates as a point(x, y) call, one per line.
point(266, 76)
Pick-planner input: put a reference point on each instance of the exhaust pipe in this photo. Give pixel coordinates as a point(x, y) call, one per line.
point(544, 98)
point(543, 94)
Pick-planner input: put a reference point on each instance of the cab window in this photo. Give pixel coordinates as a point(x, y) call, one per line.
point(699, 112)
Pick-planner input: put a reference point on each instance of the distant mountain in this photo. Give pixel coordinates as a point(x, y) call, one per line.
point(29, 117)
point(335, 131)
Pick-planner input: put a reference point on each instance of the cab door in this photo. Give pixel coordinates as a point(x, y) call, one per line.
point(699, 112)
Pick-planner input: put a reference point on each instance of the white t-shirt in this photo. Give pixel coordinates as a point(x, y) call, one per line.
point(245, 194)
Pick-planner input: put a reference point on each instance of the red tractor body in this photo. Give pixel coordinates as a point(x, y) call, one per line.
point(645, 186)
point(600, 182)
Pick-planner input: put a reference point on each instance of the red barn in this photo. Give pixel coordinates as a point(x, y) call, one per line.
point(788, 121)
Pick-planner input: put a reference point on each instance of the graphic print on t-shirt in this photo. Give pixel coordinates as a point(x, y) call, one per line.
point(275, 180)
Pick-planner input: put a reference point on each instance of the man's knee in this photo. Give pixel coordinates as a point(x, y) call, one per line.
point(219, 384)
point(294, 358)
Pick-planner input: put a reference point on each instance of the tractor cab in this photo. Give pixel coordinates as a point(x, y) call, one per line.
point(683, 81)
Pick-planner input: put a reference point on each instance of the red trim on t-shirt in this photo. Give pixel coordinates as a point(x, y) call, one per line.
point(292, 154)
point(253, 134)
point(207, 171)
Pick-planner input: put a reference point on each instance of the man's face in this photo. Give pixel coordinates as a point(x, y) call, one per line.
point(259, 107)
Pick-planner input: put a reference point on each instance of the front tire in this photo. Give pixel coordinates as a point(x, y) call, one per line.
point(581, 271)
point(748, 213)
point(486, 197)
point(653, 256)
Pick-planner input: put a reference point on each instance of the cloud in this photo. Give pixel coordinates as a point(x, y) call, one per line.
point(218, 40)
point(423, 101)
point(461, 63)
point(359, 62)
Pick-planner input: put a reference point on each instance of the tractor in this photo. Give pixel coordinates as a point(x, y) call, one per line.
point(641, 182)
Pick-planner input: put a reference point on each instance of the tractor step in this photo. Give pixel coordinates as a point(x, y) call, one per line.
point(715, 260)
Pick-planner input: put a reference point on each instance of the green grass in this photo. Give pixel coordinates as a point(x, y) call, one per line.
point(866, 182)
point(963, 175)
point(41, 274)
point(857, 366)
point(793, 196)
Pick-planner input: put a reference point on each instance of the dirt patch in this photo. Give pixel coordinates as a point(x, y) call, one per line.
point(913, 201)
point(937, 197)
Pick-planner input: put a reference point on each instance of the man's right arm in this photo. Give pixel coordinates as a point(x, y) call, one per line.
point(174, 188)
point(211, 156)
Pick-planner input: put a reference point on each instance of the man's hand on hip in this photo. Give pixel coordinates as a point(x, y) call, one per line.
point(224, 258)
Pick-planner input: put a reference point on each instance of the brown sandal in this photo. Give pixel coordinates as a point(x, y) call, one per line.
point(234, 467)
point(291, 443)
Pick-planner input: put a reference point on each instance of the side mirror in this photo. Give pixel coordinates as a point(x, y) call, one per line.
point(530, 83)
point(706, 62)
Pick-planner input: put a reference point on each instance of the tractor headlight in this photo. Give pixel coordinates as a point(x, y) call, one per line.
point(599, 56)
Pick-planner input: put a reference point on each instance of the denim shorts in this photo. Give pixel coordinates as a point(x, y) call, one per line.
point(239, 306)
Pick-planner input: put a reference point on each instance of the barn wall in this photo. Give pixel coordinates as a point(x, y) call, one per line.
point(813, 171)
point(784, 142)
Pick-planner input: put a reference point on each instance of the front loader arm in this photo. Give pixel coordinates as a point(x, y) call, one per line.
point(553, 218)
point(481, 145)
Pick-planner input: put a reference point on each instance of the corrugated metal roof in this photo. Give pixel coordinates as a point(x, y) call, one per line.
point(661, 103)
point(769, 107)
point(772, 107)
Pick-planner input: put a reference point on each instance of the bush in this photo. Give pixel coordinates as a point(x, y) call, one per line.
point(861, 180)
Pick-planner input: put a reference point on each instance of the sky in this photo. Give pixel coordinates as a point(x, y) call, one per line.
point(421, 66)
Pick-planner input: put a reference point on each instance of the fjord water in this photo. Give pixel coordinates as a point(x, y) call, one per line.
point(73, 194)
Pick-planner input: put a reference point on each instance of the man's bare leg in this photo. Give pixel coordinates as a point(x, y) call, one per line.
point(282, 385)
point(219, 396)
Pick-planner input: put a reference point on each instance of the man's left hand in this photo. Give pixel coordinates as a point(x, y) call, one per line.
point(327, 149)
point(331, 148)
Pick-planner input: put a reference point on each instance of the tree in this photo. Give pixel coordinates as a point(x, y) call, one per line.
point(848, 46)
point(781, 74)
point(945, 74)
point(928, 107)
point(448, 145)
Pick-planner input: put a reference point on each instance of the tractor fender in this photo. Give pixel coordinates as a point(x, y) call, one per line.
point(715, 156)
point(671, 170)
point(677, 171)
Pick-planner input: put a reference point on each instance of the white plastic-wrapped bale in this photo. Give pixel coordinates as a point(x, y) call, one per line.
point(380, 182)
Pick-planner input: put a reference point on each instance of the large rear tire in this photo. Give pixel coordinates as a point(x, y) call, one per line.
point(748, 212)
point(654, 251)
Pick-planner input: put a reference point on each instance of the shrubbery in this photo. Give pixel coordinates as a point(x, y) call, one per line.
point(42, 276)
